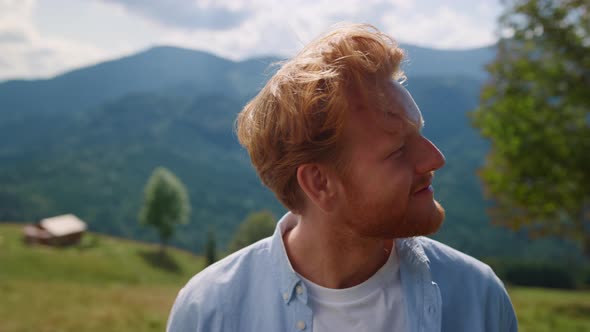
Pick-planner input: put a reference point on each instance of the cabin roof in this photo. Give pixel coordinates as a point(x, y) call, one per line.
point(63, 225)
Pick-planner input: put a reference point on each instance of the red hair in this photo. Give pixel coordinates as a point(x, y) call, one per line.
point(299, 116)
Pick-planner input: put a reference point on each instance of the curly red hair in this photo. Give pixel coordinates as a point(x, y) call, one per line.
point(299, 116)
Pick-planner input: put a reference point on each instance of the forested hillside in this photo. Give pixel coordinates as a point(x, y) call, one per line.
point(85, 142)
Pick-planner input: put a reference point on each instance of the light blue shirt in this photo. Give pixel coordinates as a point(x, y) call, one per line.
point(256, 289)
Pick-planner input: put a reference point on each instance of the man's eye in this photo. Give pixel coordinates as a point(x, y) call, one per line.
point(398, 152)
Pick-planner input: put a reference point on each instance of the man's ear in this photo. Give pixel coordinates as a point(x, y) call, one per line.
point(318, 183)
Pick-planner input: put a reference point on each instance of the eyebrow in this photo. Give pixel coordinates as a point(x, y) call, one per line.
point(420, 126)
point(394, 124)
point(420, 119)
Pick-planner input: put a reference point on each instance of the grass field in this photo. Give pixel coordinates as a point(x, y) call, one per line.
point(108, 284)
point(104, 284)
point(547, 310)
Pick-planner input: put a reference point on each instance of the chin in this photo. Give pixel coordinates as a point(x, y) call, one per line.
point(435, 221)
point(420, 224)
point(386, 224)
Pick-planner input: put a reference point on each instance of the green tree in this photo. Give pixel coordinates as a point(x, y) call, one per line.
point(535, 112)
point(256, 226)
point(166, 204)
point(210, 248)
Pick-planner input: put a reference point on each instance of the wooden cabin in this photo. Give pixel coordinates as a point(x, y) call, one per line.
point(57, 231)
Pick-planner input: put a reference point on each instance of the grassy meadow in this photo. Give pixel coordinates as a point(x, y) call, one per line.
point(549, 310)
point(109, 284)
point(103, 284)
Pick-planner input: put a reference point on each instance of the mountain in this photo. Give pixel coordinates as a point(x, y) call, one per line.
point(422, 61)
point(184, 71)
point(180, 71)
point(86, 141)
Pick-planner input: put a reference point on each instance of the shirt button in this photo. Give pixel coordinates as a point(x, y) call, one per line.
point(431, 309)
point(301, 325)
point(299, 289)
point(285, 296)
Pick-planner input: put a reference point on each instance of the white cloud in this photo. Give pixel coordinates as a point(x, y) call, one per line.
point(26, 52)
point(11, 8)
point(441, 27)
point(40, 39)
point(187, 14)
point(283, 29)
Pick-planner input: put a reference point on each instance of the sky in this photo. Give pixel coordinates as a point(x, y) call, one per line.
point(43, 38)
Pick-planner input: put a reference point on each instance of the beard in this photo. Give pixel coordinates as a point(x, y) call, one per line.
point(414, 225)
point(391, 218)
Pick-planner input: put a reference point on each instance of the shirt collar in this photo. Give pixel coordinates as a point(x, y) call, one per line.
point(412, 258)
point(288, 279)
point(411, 253)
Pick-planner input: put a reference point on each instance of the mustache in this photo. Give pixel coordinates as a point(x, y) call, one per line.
point(423, 182)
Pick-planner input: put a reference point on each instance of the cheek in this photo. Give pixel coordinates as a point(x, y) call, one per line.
point(390, 183)
point(399, 180)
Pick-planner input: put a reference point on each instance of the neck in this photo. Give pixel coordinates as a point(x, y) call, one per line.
point(334, 257)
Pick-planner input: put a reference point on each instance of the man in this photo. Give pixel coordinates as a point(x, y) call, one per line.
point(338, 140)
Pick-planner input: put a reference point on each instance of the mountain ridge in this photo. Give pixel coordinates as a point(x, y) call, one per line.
point(93, 160)
point(484, 52)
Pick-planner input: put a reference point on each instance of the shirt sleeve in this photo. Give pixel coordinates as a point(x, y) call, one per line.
point(499, 312)
point(511, 323)
point(184, 314)
point(507, 320)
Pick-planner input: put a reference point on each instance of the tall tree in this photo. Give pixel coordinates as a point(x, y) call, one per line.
point(166, 204)
point(535, 110)
point(256, 226)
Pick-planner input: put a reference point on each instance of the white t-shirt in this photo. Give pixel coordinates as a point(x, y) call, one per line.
point(374, 305)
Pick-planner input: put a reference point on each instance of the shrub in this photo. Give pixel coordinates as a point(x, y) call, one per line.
point(540, 275)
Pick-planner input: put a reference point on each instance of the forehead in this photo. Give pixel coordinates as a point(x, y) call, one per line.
point(402, 104)
point(390, 115)
point(395, 110)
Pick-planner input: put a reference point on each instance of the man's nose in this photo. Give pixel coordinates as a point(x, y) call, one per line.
point(431, 158)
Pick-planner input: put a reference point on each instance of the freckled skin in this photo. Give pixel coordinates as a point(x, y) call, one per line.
point(389, 163)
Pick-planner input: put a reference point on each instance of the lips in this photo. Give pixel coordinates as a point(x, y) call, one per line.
point(428, 188)
point(425, 186)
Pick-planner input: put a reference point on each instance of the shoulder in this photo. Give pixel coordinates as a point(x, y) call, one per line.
point(455, 271)
point(440, 254)
point(450, 266)
point(466, 281)
point(231, 268)
point(216, 287)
